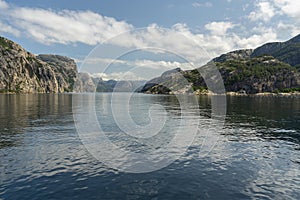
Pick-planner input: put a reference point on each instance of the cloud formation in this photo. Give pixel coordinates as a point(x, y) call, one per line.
point(289, 7)
point(3, 5)
point(5, 28)
point(66, 27)
point(205, 4)
point(219, 28)
point(264, 12)
point(118, 76)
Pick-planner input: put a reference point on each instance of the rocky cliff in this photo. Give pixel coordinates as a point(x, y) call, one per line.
point(24, 72)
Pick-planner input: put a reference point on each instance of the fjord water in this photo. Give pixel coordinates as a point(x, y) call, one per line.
point(257, 154)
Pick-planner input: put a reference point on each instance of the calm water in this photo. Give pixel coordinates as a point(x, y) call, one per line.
point(257, 156)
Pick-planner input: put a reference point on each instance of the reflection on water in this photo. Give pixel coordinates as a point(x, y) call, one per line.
point(257, 155)
point(19, 112)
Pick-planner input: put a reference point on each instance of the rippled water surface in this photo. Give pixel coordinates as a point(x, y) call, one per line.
point(257, 154)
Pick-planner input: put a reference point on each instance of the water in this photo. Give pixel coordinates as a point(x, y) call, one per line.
point(42, 157)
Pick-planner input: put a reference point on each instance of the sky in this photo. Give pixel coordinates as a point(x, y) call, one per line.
point(110, 38)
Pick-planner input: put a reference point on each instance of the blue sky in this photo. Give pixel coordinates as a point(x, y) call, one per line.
point(74, 28)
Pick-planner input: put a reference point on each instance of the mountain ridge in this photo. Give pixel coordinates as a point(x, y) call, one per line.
point(243, 71)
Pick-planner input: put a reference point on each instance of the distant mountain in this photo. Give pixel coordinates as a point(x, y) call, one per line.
point(87, 83)
point(269, 68)
point(288, 52)
point(120, 86)
point(23, 72)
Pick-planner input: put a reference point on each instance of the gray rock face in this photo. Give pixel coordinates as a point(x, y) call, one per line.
point(242, 54)
point(23, 72)
point(85, 83)
point(64, 68)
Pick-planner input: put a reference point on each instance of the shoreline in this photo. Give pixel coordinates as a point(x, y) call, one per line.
point(260, 94)
point(209, 93)
point(264, 94)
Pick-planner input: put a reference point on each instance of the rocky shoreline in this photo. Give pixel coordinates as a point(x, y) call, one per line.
point(265, 94)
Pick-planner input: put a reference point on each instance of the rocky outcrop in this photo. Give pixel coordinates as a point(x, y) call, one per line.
point(242, 54)
point(23, 72)
point(172, 81)
point(85, 83)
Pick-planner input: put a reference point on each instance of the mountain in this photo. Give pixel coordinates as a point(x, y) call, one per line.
point(24, 72)
point(87, 83)
point(119, 86)
point(242, 54)
point(269, 68)
point(288, 52)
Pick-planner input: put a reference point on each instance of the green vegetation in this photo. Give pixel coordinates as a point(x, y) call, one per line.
point(290, 90)
point(18, 87)
point(3, 91)
point(259, 68)
point(30, 59)
point(4, 43)
point(200, 88)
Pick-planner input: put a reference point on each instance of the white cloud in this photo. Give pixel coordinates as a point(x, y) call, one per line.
point(95, 60)
point(264, 12)
point(257, 39)
point(205, 4)
point(289, 7)
point(3, 5)
point(118, 76)
point(161, 64)
point(5, 28)
point(65, 27)
point(293, 29)
point(219, 28)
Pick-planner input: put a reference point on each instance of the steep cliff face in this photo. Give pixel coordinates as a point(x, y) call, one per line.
point(23, 72)
point(85, 83)
point(65, 70)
